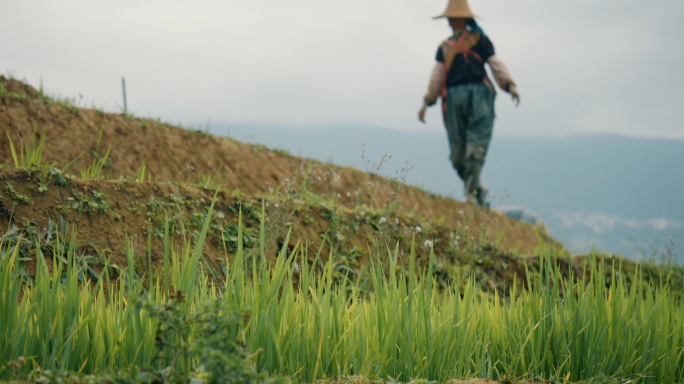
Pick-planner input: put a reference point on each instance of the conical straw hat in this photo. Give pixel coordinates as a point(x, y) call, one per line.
point(457, 8)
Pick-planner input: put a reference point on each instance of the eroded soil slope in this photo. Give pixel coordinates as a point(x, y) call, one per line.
point(154, 170)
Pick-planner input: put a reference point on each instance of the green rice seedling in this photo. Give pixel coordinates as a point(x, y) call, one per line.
point(28, 157)
point(10, 290)
point(407, 329)
point(61, 323)
point(100, 162)
point(66, 325)
point(95, 169)
point(141, 173)
point(289, 318)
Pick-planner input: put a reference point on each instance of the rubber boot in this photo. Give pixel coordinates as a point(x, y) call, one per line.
point(470, 189)
point(474, 192)
point(481, 196)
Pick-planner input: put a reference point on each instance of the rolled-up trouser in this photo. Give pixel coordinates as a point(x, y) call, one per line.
point(469, 123)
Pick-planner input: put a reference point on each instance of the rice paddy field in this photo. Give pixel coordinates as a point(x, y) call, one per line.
point(289, 320)
point(111, 270)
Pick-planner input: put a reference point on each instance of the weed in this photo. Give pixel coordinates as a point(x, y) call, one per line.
point(88, 205)
point(187, 168)
point(44, 174)
point(42, 187)
point(71, 108)
point(4, 92)
point(230, 236)
point(14, 195)
point(258, 148)
point(60, 180)
point(211, 182)
point(42, 97)
point(70, 104)
point(209, 336)
point(282, 152)
point(4, 211)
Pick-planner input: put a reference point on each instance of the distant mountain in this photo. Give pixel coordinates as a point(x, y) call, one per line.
point(613, 193)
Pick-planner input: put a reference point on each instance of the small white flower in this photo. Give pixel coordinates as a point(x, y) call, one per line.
point(419, 229)
point(427, 244)
point(382, 220)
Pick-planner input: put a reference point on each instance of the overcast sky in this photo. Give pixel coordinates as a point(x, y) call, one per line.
point(580, 65)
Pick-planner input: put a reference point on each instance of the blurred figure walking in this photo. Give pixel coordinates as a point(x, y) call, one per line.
point(460, 79)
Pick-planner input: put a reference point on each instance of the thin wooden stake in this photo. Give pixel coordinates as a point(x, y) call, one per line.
point(123, 86)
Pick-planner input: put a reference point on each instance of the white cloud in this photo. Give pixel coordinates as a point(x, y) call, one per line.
point(601, 222)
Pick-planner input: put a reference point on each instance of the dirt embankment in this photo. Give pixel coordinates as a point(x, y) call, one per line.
point(314, 199)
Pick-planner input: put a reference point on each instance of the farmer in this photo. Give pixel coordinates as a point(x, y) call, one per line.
point(460, 79)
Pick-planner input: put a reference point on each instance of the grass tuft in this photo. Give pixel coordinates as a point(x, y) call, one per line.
point(28, 157)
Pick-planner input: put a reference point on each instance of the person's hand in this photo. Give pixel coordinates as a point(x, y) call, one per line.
point(514, 94)
point(421, 113)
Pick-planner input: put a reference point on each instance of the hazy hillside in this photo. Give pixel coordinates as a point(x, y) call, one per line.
point(618, 194)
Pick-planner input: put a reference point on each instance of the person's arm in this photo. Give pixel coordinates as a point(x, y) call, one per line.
point(434, 88)
point(503, 77)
